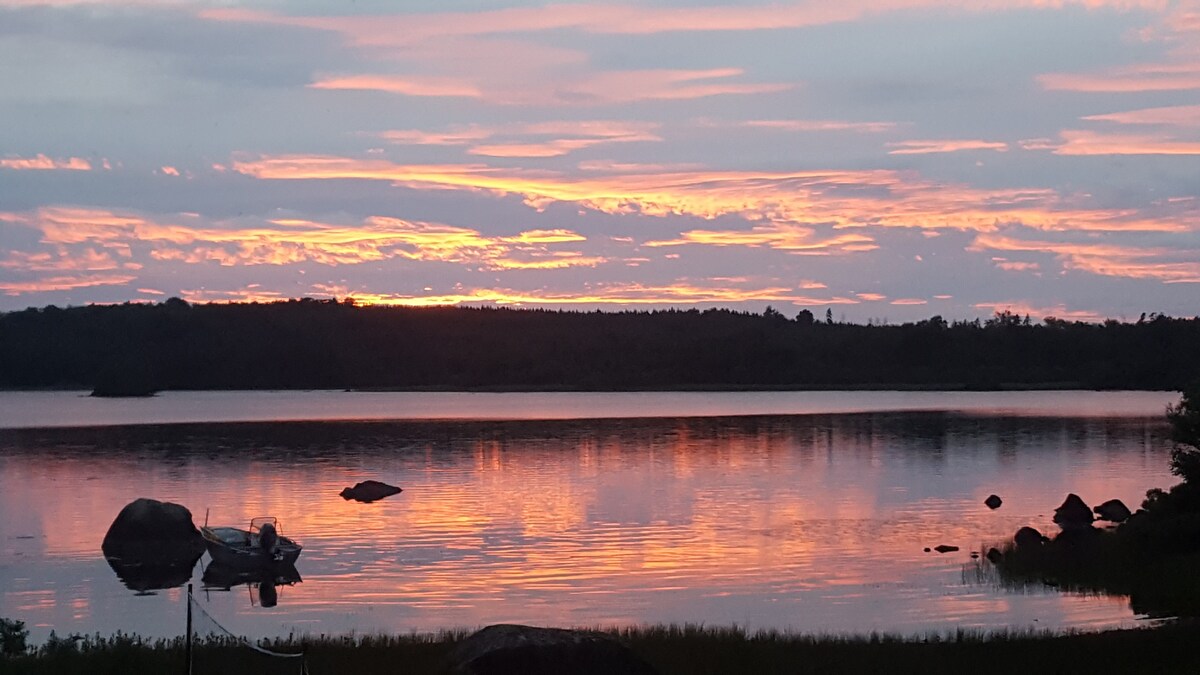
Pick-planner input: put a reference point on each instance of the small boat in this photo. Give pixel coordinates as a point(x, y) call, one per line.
point(259, 546)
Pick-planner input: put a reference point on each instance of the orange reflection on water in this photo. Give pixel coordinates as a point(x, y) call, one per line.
point(809, 523)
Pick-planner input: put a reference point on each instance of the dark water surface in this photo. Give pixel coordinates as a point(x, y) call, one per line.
point(804, 522)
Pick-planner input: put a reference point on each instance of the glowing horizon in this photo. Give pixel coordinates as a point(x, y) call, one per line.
point(877, 156)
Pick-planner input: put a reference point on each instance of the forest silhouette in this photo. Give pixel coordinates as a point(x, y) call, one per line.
point(327, 344)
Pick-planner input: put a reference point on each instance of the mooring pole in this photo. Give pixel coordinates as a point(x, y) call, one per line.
point(189, 630)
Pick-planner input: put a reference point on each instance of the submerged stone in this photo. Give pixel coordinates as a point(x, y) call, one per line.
point(945, 548)
point(993, 502)
point(369, 491)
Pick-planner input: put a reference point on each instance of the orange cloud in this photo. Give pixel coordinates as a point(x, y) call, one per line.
point(1159, 263)
point(43, 163)
point(250, 293)
point(1176, 116)
point(401, 29)
point(566, 137)
point(1022, 307)
point(1080, 142)
point(88, 260)
point(871, 297)
point(802, 199)
point(942, 146)
point(680, 292)
point(602, 88)
point(790, 238)
point(909, 301)
point(282, 242)
point(410, 85)
point(63, 283)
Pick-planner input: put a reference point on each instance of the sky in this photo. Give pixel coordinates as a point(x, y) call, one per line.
point(888, 160)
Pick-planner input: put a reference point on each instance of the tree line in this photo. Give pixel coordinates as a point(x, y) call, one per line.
point(326, 344)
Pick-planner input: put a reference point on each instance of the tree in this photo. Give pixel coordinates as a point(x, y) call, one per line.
point(805, 318)
point(1185, 431)
point(829, 315)
point(13, 637)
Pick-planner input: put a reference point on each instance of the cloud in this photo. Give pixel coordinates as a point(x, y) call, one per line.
point(679, 292)
point(809, 125)
point(1165, 264)
point(408, 85)
point(804, 199)
point(1127, 80)
point(942, 146)
point(63, 283)
point(1024, 307)
point(1174, 116)
point(540, 139)
point(1083, 142)
point(41, 162)
point(909, 301)
point(602, 88)
point(290, 241)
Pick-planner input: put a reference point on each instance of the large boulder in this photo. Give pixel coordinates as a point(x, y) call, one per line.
point(1027, 537)
point(507, 649)
point(149, 520)
point(369, 491)
point(1073, 514)
point(153, 545)
point(1113, 510)
point(993, 502)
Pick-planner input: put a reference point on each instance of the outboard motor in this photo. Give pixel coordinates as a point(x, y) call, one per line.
point(268, 539)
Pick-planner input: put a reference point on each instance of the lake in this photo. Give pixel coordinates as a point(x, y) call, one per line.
point(802, 511)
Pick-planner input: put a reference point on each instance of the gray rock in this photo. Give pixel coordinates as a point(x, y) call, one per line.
point(369, 491)
point(1027, 536)
point(1113, 510)
point(507, 649)
point(993, 502)
point(945, 548)
point(1073, 513)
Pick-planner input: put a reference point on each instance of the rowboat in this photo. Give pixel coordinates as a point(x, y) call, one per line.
point(258, 546)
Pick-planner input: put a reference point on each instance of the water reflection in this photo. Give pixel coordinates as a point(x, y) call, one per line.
point(264, 580)
point(810, 523)
point(145, 569)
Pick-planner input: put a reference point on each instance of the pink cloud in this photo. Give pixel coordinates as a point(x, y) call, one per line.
point(941, 146)
point(43, 163)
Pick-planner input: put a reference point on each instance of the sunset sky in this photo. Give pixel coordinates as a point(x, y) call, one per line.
point(888, 159)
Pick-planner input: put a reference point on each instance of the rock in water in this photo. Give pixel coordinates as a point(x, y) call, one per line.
point(1113, 510)
point(1027, 536)
point(153, 545)
point(507, 649)
point(1073, 514)
point(993, 502)
point(994, 556)
point(369, 491)
point(945, 548)
point(145, 521)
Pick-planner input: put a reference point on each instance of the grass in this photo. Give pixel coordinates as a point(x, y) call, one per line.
point(691, 650)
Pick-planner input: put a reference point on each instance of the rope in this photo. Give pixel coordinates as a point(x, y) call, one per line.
point(248, 643)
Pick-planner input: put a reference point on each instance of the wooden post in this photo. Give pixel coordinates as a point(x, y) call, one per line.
point(189, 630)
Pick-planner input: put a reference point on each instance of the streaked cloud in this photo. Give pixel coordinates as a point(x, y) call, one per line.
point(929, 147)
point(63, 283)
point(1162, 263)
point(41, 162)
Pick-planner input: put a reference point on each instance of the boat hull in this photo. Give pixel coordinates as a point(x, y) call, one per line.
point(240, 549)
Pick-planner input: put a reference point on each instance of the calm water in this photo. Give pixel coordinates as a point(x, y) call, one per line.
point(812, 522)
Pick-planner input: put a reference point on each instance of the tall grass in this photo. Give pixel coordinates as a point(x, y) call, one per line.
point(688, 649)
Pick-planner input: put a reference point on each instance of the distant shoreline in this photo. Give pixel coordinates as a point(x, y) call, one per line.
point(716, 388)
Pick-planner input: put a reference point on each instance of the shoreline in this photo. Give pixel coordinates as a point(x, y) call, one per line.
point(669, 649)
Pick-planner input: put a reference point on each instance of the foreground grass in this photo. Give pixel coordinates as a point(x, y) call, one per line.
point(671, 649)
